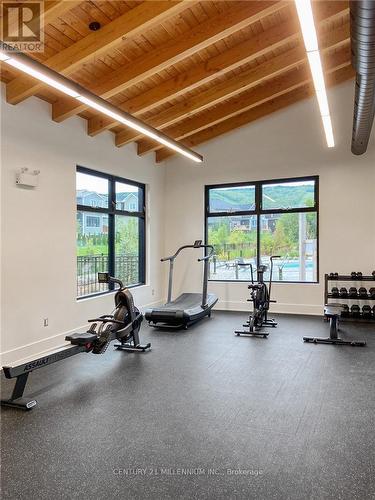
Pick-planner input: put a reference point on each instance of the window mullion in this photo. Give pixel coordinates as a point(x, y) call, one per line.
point(141, 250)
point(258, 208)
point(111, 230)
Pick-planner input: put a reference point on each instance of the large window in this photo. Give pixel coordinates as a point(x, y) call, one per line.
point(110, 230)
point(249, 222)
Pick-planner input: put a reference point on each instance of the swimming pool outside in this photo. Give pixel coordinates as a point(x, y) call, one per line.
point(286, 271)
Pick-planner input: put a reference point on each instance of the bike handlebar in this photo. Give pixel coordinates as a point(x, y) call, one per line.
point(249, 264)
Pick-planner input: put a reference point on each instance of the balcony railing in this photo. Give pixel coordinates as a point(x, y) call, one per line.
point(88, 267)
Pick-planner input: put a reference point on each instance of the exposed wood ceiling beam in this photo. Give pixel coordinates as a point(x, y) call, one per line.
point(175, 50)
point(253, 114)
point(53, 10)
point(247, 100)
point(235, 85)
point(96, 43)
point(204, 72)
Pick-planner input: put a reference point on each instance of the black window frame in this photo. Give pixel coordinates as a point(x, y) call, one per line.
point(259, 211)
point(111, 211)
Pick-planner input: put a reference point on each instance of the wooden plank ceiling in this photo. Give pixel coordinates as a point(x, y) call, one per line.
point(193, 69)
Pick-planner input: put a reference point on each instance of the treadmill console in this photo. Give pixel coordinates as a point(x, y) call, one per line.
point(197, 243)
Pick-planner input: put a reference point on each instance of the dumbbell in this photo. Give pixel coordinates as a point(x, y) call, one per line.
point(356, 276)
point(362, 292)
point(343, 292)
point(373, 274)
point(355, 311)
point(373, 311)
point(371, 292)
point(353, 292)
point(333, 275)
point(366, 312)
point(335, 292)
point(345, 311)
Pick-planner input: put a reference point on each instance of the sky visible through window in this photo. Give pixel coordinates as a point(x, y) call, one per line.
point(97, 184)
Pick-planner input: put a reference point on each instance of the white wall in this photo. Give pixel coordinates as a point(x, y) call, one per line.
point(38, 226)
point(286, 144)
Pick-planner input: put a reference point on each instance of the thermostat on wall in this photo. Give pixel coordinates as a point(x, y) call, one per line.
point(26, 178)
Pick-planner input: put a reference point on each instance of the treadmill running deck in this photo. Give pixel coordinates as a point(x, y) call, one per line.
point(184, 309)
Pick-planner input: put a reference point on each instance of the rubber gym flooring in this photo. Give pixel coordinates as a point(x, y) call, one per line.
point(204, 415)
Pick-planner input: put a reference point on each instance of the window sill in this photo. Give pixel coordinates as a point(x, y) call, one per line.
point(267, 281)
point(107, 292)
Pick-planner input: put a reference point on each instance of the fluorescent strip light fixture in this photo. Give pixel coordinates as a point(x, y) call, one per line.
point(40, 76)
point(50, 77)
point(137, 125)
point(102, 109)
point(310, 39)
point(328, 131)
point(306, 20)
point(316, 70)
point(321, 97)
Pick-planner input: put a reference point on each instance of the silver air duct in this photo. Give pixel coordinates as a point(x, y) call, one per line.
point(362, 30)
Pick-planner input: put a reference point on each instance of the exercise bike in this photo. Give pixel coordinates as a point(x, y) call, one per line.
point(260, 296)
point(122, 325)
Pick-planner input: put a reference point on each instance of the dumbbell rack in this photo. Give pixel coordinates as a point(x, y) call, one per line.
point(340, 277)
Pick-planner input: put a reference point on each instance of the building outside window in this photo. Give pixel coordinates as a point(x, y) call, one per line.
point(249, 222)
point(92, 221)
point(110, 230)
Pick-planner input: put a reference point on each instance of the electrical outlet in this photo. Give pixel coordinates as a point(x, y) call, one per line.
point(45, 322)
point(153, 291)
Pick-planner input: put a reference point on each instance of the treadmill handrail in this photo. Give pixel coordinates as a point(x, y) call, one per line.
point(205, 259)
point(172, 257)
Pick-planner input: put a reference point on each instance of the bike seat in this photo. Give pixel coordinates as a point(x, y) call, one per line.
point(262, 269)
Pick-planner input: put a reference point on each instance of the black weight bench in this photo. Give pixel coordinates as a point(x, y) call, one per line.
point(333, 312)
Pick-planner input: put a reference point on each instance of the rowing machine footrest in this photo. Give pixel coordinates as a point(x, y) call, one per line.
point(81, 338)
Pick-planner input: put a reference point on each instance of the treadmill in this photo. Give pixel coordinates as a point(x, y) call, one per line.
point(188, 308)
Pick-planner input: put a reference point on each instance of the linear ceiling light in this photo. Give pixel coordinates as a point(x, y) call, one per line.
point(40, 76)
point(65, 85)
point(310, 39)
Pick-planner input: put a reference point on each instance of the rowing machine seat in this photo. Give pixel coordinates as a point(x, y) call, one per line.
point(81, 338)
